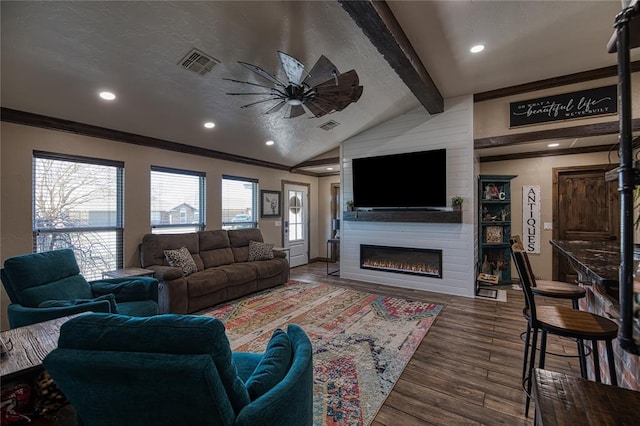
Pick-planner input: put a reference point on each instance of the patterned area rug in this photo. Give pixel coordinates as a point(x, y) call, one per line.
point(361, 341)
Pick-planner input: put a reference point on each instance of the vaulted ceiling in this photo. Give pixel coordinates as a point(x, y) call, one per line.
point(56, 57)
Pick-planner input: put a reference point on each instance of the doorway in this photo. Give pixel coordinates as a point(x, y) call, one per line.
point(296, 223)
point(585, 207)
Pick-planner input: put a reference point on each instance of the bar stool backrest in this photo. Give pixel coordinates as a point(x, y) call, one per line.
point(526, 279)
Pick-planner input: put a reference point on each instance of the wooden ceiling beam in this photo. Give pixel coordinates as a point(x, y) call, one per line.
point(383, 30)
point(598, 129)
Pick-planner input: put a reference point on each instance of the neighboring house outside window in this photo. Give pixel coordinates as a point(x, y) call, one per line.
point(239, 202)
point(78, 204)
point(177, 201)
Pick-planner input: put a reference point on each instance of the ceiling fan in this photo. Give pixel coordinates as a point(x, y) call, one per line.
point(324, 89)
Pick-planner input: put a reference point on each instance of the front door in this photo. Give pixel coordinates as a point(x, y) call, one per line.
point(585, 207)
point(296, 223)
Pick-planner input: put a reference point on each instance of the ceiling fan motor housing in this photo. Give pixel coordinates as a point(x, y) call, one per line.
point(323, 91)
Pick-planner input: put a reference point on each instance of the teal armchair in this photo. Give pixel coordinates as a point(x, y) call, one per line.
point(179, 370)
point(48, 285)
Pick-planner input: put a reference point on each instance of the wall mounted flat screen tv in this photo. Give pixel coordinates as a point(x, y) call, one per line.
point(415, 180)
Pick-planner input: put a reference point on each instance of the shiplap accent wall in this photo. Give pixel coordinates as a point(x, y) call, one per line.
point(411, 132)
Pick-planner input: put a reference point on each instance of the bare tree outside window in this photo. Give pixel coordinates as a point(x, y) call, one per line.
point(78, 205)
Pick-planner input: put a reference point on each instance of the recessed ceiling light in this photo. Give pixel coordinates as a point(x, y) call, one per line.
point(269, 143)
point(477, 48)
point(107, 96)
point(329, 168)
point(553, 145)
point(209, 125)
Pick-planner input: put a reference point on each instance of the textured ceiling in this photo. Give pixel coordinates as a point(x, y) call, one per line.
point(56, 56)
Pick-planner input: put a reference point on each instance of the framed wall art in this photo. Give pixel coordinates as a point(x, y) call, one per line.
point(269, 203)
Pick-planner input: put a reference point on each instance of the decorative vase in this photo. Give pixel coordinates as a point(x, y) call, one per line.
point(486, 266)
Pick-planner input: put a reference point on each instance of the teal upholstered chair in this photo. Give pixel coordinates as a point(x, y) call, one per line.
point(48, 285)
point(179, 370)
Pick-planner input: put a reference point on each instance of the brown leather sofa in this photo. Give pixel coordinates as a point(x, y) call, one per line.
point(224, 270)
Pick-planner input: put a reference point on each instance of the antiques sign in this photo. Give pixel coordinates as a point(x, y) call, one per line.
point(568, 106)
point(531, 219)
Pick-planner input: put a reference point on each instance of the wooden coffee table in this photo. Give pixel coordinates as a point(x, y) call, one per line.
point(27, 346)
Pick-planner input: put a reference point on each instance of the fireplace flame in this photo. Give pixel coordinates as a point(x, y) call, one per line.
point(399, 266)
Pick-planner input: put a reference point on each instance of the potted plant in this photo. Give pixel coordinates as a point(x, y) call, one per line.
point(350, 205)
point(456, 203)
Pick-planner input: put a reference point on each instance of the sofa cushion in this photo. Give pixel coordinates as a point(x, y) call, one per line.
point(273, 366)
point(72, 302)
point(260, 251)
point(208, 281)
point(239, 273)
point(153, 246)
point(158, 334)
point(268, 268)
point(215, 249)
point(181, 258)
point(239, 240)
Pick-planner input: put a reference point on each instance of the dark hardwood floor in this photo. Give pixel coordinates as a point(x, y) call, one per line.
point(467, 369)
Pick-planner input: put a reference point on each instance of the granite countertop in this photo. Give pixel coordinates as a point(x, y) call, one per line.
point(599, 260)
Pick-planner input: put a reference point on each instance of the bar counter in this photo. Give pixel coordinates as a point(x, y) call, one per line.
point(595, 261)
point(597, 264)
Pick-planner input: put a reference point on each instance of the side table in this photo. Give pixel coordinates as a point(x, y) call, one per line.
point(28, 345)
point(331, 242)
point(127, 272)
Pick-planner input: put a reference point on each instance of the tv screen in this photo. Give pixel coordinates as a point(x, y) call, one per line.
point(411, 180)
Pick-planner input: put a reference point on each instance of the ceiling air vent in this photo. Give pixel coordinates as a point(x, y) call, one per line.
point(329, 125)
point(198, 62)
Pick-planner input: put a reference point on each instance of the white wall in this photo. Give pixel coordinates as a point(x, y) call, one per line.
point(411, 132)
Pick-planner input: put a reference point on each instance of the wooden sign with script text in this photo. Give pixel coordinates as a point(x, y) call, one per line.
point(567, 106)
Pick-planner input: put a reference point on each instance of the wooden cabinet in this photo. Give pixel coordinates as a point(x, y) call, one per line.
point(494, 227)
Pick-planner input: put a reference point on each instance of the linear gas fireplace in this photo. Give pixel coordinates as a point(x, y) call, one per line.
point(404, 260)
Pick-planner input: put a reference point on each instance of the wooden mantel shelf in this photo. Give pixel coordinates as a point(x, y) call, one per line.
point(427, 216)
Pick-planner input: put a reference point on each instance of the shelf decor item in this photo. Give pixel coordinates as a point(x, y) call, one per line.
point(493, 234)
point(456, 202)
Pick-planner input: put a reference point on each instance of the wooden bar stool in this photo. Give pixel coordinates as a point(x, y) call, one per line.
point(556, 290)
point(561, 321)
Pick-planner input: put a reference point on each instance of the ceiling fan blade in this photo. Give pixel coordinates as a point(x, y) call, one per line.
point(262, 73)
point(248, 82)
point(259, 102)
point(315, 109)
point(296, 111)
point(277, 107)
point(254, 93)
point(338, 101)
point(345, 82)
point(292, 67)
point(322, 71)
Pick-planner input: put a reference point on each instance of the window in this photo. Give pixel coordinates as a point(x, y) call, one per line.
point(177, 201)
point(77, 204)
point(239, 202)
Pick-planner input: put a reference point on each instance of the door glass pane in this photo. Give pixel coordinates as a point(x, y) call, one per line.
point(295, 216)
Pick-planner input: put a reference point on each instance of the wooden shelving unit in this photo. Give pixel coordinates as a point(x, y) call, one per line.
point(494, 227)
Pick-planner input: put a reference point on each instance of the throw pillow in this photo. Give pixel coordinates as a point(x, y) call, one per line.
point(273, 366)
point(260, 251)
point(181, 259)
